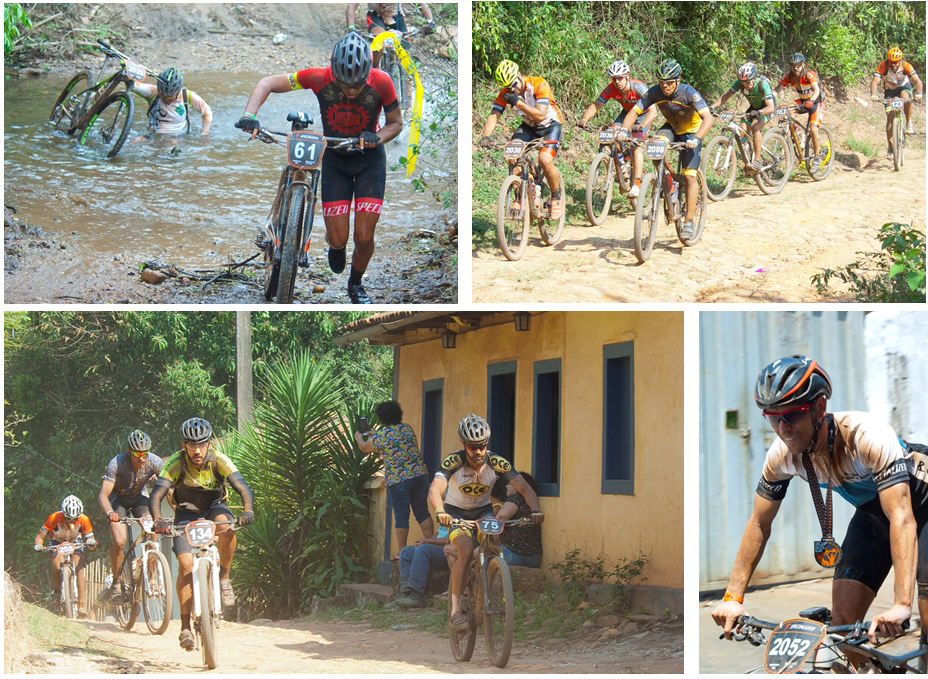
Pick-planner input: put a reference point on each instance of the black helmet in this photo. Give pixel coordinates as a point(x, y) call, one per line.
point(139, 441)
point(474, 430)
point(795, 379)
point(351, 60)
point(669, 70)
point(170, 81)
point(797, 58)
point(196, 430)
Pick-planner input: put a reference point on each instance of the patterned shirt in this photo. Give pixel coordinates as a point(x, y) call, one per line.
point(399, 448)
point(63, 530)
point(127, 482)
point(198, 489)
point(522, 540)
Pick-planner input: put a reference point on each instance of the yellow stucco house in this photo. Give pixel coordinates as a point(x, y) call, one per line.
point(590, 403)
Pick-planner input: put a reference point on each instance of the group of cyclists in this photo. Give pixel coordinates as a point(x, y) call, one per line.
point(687, 116)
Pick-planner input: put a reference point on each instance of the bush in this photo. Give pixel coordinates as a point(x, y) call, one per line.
point(14, 17)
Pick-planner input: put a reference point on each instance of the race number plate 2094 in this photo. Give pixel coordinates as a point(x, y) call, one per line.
point(200, 533)
point(790, 644)
point(305, 149)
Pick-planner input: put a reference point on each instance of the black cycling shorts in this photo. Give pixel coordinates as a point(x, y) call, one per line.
point(362, 176)
point(137, 506)
point(374, 19)
point(689, 158)
point(551, 133)
point(182, 518)
point(897, 91)
point(467, 515)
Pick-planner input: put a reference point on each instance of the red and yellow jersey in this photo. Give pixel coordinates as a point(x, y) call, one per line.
point(803, 83)
point(537, 92)
point(893, 78)
point(63, 530)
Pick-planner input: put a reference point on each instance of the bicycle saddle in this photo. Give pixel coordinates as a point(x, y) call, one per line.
point(304, 119)
point(819, 613)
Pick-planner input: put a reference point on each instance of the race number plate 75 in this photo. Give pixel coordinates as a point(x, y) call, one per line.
point(790, 644)
point(200, 533)
point(305, 149)
point(490, 526)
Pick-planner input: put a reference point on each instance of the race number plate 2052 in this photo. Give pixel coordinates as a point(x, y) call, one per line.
point(790, 644)
point(135, 71)
point(305, 149)
point(655, 150)
point(200, 533)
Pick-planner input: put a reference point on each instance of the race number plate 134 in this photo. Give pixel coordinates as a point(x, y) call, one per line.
point(305, 149)
point(790, 644)
point(200, 532)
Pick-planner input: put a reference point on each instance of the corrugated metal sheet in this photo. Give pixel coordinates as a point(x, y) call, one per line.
point(733, 348)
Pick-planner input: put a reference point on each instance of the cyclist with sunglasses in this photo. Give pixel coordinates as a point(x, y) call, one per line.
point(126, 484)
point(811, 96)
point(898, 77)
point(866, 462)
point(468, 475)
point(761, 104)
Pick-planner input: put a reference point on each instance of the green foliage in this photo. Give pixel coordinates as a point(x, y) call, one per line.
point(14, 17)
point(896, 274)
point(576, 570)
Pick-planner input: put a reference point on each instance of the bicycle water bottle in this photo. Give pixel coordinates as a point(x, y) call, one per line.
point(673, 191)
point(537, 196)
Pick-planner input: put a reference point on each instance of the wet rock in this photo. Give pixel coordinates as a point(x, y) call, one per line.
point(608, 620)
point(318, 289)
point(644, 619)
point(30, 73)
point(63, 246)
point(153, 277)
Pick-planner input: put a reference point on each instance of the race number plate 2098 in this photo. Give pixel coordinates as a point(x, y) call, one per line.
point(790, 644)
point(200, 533)
point(656, 149)
point(305, 149)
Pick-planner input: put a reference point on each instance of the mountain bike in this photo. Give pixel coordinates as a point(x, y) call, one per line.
point(286, 233)
point(808, 644)
point(533, 198)
point(719, 162)
point(663, 184)
point(207, 609)
point(68, 577)
point(487, 596)
point(801, 146)
point(893, 108)
point(99, 113)
point(390, 64)
point(612, 163)
point(145, 580)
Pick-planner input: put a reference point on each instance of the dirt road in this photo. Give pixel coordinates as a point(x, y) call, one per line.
point(304, 647)
point(755, 248)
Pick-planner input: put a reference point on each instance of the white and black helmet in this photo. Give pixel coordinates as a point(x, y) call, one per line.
point(747, 72)
point(196, 430)
point(139, 441)
point(474, 430)
point(351, 60)
point(618, 69)
point(71, 507)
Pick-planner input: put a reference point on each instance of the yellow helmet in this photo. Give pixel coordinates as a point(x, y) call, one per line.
point(506, 73)
point(894, 54)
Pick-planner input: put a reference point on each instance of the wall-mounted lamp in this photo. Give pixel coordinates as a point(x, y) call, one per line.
point(523, 320)
point(447, 340)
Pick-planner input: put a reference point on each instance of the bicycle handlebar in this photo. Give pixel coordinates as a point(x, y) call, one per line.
point(111, 51)
point(853, 630)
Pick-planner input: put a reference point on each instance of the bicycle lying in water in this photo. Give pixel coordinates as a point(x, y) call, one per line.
point(818, 166)
point(808, 644)
point(487, 596)
point(98, 113)
point(146, 580)
point(613, 164)
point(289, 224)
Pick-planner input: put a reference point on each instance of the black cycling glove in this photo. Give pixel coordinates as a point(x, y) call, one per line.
point(486, 142)
point(248, 124)
point(370, 139)
point(245, 519)
point(511, 98)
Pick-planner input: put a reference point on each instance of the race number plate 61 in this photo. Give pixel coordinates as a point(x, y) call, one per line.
point(655, 150)
point(305, 149)
point(200, 533)
point(790, 644)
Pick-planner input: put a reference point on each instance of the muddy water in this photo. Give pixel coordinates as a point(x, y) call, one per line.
point(195, 209)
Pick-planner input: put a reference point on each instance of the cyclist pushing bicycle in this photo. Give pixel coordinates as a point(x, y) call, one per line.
point(351, 95)
point(761, 104)
point(897, 76)
point(468, 476)
point(865, 462)
point(170, 104)
point(68, 525)
point(198, 477)
point(531, 97)
point(388, 16)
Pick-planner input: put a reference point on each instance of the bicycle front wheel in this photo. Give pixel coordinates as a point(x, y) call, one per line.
point(898, 143)
point(291, 249)
point(699, 214)
point(775, 153)
point(127, 612)
point(550, 229)
point(109, 124)
point(820, 167)
point(647, 213)
point(157, 598)
point(73, 100)
point(512, 225)
point(67, 594)
point(462, 642)
point(719, 164)
point(208, 613)
point(499, 618)
point(599, 188)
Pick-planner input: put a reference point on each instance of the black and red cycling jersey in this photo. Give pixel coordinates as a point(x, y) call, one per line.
point(636, 90)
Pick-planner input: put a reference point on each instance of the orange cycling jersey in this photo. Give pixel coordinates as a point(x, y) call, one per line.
point(537, 92)
point(63, 530)
point(803, 84)
point(894, 78)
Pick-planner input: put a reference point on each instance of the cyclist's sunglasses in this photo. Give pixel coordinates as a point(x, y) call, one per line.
point(139, 453)
point(791, 417)
point(669, 80)
point(482, 446)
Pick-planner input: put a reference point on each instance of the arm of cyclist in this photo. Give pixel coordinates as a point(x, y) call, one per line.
point(650, 115)
point(426, 12)
point(704, 126)
point(267, 85)
point(247, 517)
point(770, 107)
point(436, 490)
point(351, 15)
point(197, 102)
point(720, 102)
point(40, 540)
point(919, 88)
point(896, 502)
point(162, 485)
point(393, 125)
point(507, 511)
point(521, 486)
point(588, 114)
point(816, 91)
point(103, 499)
point(536, 113)
point(488, 128)
point(755, 537)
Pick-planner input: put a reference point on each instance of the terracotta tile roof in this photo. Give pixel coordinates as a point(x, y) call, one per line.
point(409, 327)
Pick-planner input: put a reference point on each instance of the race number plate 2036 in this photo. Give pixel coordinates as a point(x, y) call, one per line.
point(305, 149)
point(135, 71)
point(790, 644)
point(513, 150)
point(200, 533)
point(655, 150)
point(606, 135)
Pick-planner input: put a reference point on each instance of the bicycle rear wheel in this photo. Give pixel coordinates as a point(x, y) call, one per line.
point(109, 124)
point(291, 249)
point(774, 152)
point(127, 612)
point(599, 188)
point(699, 214)
point(462, 643)
point(719, 164)
point(821, 167)
point(72, 101)
point(512, 227)
point(157, 598)
point(499, 618)
point(647, 214)
point(898, 143)
point(398, 76)
point(67, 594)
point(550, 229)
point(210, 642)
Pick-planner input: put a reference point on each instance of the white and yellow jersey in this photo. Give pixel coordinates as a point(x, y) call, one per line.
point(469, 488)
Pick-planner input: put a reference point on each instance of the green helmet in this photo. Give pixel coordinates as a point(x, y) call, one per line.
point(669, 70)
point(506, 73)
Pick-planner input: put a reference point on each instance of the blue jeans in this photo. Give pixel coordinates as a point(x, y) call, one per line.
point(513, 559)
point(413, 492)
point(415, 563)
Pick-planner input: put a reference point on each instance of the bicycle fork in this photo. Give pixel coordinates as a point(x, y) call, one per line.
point(308, 213)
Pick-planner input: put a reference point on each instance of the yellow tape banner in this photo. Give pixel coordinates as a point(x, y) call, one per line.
point(411, 69)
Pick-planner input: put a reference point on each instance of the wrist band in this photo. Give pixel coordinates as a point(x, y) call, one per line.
point(731, 597)
point(250, 115)
point(352, 27)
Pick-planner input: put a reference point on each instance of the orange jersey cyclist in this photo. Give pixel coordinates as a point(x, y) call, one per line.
point(68, 525)
point(532, 99)
point(761, 103)
point(469, 475)
point(811, 96)
point(388, 16)
point(687, 120)
point(351, 95)
point(627, 93)
point(898, 76)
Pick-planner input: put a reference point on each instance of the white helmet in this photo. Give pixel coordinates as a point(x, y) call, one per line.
point(71, 507)
point(474, 430)
point(618, 69)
